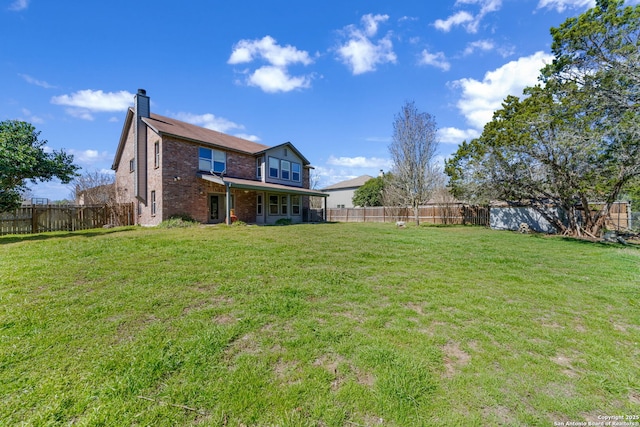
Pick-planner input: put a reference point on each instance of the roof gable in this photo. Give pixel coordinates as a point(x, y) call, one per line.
point(291, 147)
point(123, 138)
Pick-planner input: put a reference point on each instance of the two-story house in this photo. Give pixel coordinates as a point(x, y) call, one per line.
point(169, 167)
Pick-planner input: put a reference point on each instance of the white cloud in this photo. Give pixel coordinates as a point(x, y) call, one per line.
point(248, 137)
point(19, 5)
point(31, 118)
point(451, 135)
point(274, 77)
point(90, 157)
point(484, 45)
point(84, 102)
point(80, 113)
point(359, 162)
point(378, 139)
point(370, 23)
point(36, 82)
point(359, 52)
point(466, 19)
point(266, 48)
point(452, 21)
point(486, 6)
point(480, 99)
point(208, 121)
point(435, 59)
point(561, 5)
point(328, 176)
point(213, 122)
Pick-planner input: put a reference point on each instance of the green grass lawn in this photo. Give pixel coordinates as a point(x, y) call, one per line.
point(316, 325)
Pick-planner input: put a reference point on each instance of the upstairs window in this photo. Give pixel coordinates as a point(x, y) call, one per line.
point(274, 167)
point(259, 161)
point(295, 172)
point(285, 169)
point(156, 155)
point(211, 160)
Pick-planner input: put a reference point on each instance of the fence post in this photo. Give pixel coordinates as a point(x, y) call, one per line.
point(34, 219)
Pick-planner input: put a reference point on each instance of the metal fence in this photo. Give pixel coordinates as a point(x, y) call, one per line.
point(446, 213)
point(40, 218)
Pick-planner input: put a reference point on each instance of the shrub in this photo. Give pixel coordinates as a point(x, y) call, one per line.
point(184, 217)
point(283, 221)
point(179, 221)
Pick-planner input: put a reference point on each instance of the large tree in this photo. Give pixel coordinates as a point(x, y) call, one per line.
point(370, 193)
point(23, 158)
point(413, 150)
point(574, 140)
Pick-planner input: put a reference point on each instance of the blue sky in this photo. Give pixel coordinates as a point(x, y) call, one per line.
point(327, 76)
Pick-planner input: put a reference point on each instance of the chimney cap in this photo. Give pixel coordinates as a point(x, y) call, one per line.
point(142, 92)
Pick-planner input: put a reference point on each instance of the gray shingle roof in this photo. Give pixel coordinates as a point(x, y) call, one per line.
point(350, 183)
point(174, 127)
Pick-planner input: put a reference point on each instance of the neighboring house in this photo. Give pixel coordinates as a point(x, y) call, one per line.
point(341, 194)
point(169, 167)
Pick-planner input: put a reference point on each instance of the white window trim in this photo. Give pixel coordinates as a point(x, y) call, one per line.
point(259, 204)
point(298, 205)
point(287, 169)
point(214, 154)
point(156, 154)
point(277, 205)
point(299, 172)
point(277, 161)
point(259, 167)
point(153, 203)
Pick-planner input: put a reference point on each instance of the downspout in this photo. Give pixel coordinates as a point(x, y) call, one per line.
point(227, 208)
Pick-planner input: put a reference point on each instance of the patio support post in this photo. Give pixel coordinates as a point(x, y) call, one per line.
point(227, 208)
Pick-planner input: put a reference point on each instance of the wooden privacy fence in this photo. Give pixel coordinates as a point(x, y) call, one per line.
point(446, 213)
point(619, 216)
point(40, 218)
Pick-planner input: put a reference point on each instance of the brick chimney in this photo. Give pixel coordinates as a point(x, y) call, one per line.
point(141, 109)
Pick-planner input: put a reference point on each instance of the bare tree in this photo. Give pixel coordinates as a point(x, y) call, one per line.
point(446, 204)
point(413, 152)
point(94, 188)
point(314, 180)
point(99, 189)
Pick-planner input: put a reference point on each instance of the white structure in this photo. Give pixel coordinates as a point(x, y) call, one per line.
point(341, 194)
point(511, 217)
